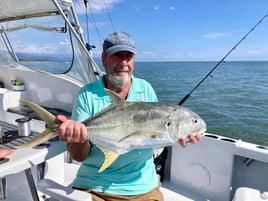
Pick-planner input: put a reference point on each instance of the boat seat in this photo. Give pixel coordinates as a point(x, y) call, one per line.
point(249, 194)
point(65, 192)
point(61, 192)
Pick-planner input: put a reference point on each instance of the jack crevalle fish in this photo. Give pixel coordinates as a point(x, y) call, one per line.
point(125, 126)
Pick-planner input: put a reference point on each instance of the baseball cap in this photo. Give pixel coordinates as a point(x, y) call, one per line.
point(118, 41)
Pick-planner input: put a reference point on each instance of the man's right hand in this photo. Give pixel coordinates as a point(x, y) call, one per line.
point(71, 131)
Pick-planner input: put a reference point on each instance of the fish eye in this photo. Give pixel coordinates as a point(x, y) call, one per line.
point(168, 124)
point(195, 120)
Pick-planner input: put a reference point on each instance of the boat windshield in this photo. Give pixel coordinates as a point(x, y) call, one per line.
point(47, 44)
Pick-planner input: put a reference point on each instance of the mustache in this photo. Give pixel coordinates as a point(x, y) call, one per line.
point(124, 68)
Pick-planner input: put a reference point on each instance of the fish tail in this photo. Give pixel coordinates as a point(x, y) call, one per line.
point(42, 137)
point(51, 123)
point(44, 114)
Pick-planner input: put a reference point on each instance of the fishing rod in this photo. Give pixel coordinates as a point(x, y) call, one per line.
point(244, 37)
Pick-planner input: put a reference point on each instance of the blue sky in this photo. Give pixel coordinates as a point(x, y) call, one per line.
point(186, 30)
point(166, 30)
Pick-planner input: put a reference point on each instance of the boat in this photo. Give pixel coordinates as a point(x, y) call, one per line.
point(217, 168)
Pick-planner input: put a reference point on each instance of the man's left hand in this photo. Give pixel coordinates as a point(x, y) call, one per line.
point(192, 139)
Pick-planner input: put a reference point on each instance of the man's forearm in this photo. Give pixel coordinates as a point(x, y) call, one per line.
point(78, 151)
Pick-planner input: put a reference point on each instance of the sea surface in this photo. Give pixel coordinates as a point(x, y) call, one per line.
point(233, 101)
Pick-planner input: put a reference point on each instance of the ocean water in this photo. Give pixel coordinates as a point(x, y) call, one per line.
point(233, 100)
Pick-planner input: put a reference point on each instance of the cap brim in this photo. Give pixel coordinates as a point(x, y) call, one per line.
point(120, 48)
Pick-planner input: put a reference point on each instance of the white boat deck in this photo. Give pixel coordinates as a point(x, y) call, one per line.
point(58, 190)
point(170, 192)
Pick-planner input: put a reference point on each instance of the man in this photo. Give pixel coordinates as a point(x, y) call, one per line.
point(132, 176)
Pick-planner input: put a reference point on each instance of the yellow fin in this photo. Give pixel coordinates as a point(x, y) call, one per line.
point(43, 137)
point(110, 157)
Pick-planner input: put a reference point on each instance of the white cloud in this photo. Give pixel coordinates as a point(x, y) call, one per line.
point(171, 8)
point(32, 48)
point(215, 35)
point(253, 52)
point(146, 53)
point(65, 42)
point(137, 7)
point(156, 7)
point(185, 55)
point(96, 6)
point(28, 47)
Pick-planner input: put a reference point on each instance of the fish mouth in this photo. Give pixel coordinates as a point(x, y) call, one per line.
point(203, 128)
point(202, 131)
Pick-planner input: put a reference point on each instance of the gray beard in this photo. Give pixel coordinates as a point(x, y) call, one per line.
point(119, 83)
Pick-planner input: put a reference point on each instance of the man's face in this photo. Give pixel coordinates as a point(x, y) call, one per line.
point(119, 67)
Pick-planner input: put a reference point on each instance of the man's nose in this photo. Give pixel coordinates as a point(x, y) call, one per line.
point(123, 60)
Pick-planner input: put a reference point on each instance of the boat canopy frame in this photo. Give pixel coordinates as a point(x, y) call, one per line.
point(83, 68)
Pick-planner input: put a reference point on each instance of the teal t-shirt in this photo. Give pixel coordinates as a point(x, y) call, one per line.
point(133, 173)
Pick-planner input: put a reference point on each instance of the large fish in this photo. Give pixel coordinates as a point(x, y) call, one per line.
point(125, 126)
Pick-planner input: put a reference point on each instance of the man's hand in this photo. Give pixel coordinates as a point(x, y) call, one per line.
point(192, 139)
point(71, 131)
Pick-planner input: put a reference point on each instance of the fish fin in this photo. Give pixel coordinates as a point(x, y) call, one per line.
point(44, 136)
point(151, 134)
point(116, 99)
point(51, 122)
point(44, 114)
point(110, 157)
